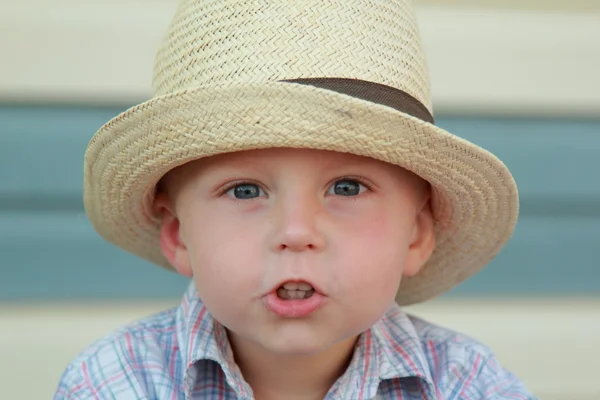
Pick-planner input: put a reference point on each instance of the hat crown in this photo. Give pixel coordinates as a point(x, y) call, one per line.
point(224, 42)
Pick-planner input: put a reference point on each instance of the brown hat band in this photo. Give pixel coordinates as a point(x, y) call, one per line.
point(373, 92)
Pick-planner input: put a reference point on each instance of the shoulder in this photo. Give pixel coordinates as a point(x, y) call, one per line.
point(463, 367)
point(447, 343)
point(127, 363)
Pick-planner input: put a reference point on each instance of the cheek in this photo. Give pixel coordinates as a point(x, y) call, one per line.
point(222, 255)
point(374, 252)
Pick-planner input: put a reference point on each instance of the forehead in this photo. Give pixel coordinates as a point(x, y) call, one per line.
point(282, 155)
point(303, 159)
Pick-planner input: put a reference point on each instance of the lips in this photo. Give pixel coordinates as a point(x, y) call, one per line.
point(294, 299)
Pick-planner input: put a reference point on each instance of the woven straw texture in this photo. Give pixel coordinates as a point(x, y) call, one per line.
point(218, 89)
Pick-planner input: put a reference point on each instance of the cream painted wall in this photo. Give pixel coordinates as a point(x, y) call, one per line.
point(483, 60)
point(514, 5)
point(551, 344)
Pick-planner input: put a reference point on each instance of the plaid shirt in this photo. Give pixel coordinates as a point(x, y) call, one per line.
point(183, 353)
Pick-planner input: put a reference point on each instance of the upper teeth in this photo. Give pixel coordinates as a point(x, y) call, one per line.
point(297, 286)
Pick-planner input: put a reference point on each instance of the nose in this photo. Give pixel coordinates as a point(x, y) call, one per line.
point(298, 222)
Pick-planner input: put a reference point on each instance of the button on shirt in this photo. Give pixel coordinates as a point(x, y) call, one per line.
point(183, 353)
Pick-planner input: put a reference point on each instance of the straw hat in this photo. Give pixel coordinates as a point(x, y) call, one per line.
point(341, 75)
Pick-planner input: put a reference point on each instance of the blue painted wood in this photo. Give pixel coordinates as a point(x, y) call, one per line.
point(41, 151)
point(41, 154)
point(50, 251)
point(58, 256)
point(548, 158)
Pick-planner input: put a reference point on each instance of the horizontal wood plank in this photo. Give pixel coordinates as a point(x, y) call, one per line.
point(485, 57)
point(59, 256)
point(554, 161)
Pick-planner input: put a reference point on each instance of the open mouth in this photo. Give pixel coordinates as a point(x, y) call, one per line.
point(295, 291)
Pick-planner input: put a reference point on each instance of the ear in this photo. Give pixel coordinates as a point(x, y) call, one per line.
point(171, 245)
point(422, 241)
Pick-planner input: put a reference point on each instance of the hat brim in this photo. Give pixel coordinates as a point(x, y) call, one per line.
point(474, 199)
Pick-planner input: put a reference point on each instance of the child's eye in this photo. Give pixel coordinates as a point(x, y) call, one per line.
point(346, 187)
point(245, 191)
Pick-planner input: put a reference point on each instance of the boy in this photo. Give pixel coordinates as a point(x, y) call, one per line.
point(289, 165)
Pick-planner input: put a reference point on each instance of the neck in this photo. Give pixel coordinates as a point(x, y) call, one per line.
point(294, 377)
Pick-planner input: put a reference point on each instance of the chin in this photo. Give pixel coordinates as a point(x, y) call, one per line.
point(290, 343)
point(292, 346)
point(299, 342)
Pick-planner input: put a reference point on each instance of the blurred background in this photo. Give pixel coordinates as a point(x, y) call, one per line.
point(518, 77)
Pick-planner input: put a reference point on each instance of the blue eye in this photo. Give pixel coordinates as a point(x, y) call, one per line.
point(245, 191)
point(346, 187)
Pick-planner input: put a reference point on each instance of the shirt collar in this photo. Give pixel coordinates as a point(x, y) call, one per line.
point(390, 349)
point(200, 338)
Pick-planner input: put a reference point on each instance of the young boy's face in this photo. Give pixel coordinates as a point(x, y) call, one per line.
point(339, 228)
